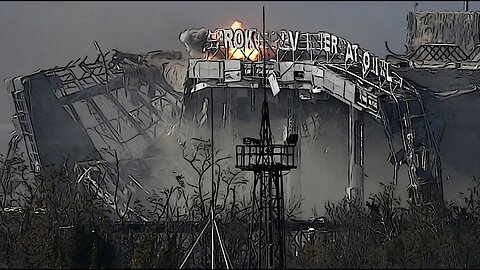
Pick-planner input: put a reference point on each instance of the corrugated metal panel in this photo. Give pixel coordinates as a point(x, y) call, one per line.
point(349, 91)
point(339, 86)
point(328, 80)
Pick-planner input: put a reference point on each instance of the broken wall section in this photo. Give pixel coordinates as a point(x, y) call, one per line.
point(427, 27)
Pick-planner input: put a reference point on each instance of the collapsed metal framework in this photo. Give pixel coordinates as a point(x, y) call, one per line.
point(22, 121)
point(399, 107)
point(119, 104)
point(441, 55)
point(123, 113)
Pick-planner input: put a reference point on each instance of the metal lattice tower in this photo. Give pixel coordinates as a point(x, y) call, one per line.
point(267, 161)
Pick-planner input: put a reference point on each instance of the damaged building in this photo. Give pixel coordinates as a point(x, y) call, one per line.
point(361, 120)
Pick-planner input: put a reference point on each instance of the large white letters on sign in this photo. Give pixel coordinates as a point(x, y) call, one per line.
point(286, 40)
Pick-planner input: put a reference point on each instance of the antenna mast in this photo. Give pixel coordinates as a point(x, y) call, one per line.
point(267, 161)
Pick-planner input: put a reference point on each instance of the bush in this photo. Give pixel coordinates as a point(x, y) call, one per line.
point(385, 235)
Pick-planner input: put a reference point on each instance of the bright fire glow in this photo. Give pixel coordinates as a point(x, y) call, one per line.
point(252, 54)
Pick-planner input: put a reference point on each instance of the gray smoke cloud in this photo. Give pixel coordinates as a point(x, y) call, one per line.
point(193, 40)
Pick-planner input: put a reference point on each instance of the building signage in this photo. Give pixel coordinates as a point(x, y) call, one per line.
point(250, 42)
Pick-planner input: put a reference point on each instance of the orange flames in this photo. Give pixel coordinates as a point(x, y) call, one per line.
point(251, 54)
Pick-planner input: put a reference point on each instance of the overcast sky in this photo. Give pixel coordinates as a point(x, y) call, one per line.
point(39, 35)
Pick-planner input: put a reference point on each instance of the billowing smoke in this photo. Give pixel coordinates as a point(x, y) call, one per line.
point(193, 40)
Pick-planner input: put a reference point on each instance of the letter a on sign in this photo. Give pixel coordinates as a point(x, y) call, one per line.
point(272, 79)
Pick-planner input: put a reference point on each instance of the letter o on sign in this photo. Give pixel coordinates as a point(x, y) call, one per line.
point(238, 39)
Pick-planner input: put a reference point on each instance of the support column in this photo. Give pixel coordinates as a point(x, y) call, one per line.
point(293, 179)
point(355, 186)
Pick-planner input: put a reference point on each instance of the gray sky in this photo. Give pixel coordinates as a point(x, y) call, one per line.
point(38, 35)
